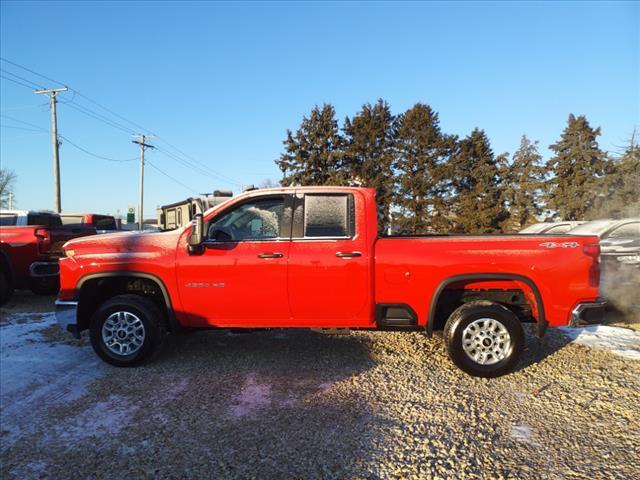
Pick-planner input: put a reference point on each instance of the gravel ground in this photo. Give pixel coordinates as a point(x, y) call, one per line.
point(299, 404)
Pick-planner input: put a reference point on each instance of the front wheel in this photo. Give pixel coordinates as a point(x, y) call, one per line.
point(127, 330)
point(484, 339)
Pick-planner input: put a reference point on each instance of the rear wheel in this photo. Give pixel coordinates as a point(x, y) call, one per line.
point(127, 330)
point(484, 339)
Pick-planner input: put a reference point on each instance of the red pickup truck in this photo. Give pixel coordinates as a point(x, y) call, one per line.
point(311, 257)
point(30, 245)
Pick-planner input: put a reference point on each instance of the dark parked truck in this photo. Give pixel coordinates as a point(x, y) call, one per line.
point(311, 257)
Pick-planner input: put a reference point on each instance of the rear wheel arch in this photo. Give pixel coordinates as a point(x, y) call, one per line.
point(95, 289)
point(480, 277)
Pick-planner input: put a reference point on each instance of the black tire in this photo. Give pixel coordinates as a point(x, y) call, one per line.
point(468, 313)
point(6, 287)
point(154, 328)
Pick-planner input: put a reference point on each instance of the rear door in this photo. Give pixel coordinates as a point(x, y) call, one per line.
point(329, 264)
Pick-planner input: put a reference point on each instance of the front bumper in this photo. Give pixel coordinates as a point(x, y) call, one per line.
point(67, 316)
point(588, 313)
point(44, 269)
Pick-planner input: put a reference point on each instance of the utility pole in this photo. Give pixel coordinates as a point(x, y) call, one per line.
point(52, 92)
point(141, 141)
point(10, 200)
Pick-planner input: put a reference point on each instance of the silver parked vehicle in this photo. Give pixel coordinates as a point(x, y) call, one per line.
point(550, 227)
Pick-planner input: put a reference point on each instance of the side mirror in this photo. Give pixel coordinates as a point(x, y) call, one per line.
point(197, 234)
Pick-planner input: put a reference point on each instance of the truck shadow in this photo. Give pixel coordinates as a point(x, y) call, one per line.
point(538, 349)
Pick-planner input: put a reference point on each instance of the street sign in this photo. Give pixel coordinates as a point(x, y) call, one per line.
point(131, 215)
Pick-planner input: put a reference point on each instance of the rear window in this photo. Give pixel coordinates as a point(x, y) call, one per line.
point(104, 222)
point(8, 219)
point(72, 221)
point(46, 220)
point(328, 215)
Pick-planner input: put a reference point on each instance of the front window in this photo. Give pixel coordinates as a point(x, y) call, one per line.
point(256, 220)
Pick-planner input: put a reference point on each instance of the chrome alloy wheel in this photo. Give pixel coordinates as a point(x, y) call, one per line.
point(123, 333)
point(486, 341)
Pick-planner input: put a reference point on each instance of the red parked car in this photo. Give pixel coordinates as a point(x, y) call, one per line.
point(30, 246)
point(312, 257)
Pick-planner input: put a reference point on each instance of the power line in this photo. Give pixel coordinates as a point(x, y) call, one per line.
point(23, 128)
point(16, 81)
point(23, 122)
point(35, 85)
point(171, 178)
point(97, 116)
point(192, 162)
point(197, 168)
point(95, 154)
point(30, 71)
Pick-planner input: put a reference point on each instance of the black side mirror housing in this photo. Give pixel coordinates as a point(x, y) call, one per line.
point(196, 237)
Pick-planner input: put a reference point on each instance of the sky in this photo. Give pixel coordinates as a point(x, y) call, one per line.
point(219, 84)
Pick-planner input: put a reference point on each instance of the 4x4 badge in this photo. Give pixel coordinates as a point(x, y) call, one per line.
point(559, 245)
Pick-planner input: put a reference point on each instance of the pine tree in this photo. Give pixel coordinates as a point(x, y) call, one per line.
point(524, 179)
point(422, 152)
point(577, 170)
point(313, 156)
point(621, 193)
point(477, 201)
point(368, 154)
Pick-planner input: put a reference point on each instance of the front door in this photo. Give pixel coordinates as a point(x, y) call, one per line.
point(240, 279)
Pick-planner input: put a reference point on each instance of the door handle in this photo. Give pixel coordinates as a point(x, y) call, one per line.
point(348, 254)
point(270, 255)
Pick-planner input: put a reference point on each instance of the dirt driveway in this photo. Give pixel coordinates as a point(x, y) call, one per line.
point(297, 404)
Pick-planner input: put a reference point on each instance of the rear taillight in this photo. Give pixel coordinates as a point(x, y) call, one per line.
point(592, 249)
point(44, 239)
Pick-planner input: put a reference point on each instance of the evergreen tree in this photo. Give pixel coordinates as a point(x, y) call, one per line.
point(368, 154)
point(477, 201)
point(577, 167)
point(422, 152)
point(621, 193)
point(313, 155)
point(524, 179)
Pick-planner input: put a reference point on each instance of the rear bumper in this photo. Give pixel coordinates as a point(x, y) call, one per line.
point(67, 316)
point(44, 270)
point(588, 313)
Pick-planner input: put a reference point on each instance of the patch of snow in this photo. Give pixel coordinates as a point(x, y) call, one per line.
point(102, 418)
point(252, 396)
point(522, 433)
point(325, 386)
point(36, 375)
point(621, 341)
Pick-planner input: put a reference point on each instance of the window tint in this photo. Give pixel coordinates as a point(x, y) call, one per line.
point(257, 220)
point(47, 220)
point(8, 219)
point(104, 223)
point(630, 230)
point(328, 215)
point(72, 221)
